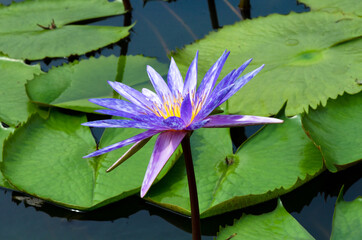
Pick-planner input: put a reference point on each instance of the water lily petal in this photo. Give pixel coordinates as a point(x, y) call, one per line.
point(197, 125)
point(174, 123)
point(213, 102)
point(165, 145)
point(123, 143)
point(132, 95)
point(154, 120)
point(159, 84)
point(242, 67)
point(116, 123)
point(208, 82)
point(153, 97)
point(232, 76)
point(221, 121)
point(130, 152)
point(191, 79)
point(226, 81)
point(116, 113)
point(186, 110)
point(174, 79)
point(241, 82)
point(119, 105)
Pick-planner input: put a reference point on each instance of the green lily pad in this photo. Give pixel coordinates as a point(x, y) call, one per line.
point(347, 222)
point(70, 86)
point(19, 26)
point(14, 103)
point(44, 158)
point(345, 6)
point(278, 224)
point(4, 133)
point(308, 57)
point(276, 160)
point(336, 130)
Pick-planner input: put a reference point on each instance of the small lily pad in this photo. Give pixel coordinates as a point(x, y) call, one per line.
point(337, 130)
point(42, 27)
point(43, 158)
point(276, 160)
point(278, 224)
point(15, 106)
point(71, 85)
point(308, 57)
point(347, 222)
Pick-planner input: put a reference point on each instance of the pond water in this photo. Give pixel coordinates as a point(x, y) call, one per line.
point(163, 27)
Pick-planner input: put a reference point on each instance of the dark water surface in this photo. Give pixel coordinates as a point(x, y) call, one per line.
point(158, 31)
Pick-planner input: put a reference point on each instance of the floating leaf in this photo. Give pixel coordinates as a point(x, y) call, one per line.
point(278, 224)
point(14, 103)
point(347, 222)
point(336, 130)
point(70, 86)
point(275, 161)
point(44, 158)
point(308, 59)
point(22, 24)
point(4, 133)
point(345, 6)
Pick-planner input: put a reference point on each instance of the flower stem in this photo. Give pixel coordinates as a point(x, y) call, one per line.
point(213, 14)
point(194, 202)
point(127, 5)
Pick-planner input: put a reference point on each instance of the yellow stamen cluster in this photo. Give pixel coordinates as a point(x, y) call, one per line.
point(197, 107)
point(171, 107)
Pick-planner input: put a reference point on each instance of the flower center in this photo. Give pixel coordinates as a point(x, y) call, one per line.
point(171, 106)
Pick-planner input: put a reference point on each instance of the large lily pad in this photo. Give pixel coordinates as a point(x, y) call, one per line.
point(278, 224)
point(309, 58)
point(19, 26)
point(14, 103)
point(70, 86)
point(337, 130)
point(345, 6)
point(44, 158)
point(347, 222)
point(275, 161)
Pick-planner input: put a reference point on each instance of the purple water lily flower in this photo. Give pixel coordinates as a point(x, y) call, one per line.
point(175, 109)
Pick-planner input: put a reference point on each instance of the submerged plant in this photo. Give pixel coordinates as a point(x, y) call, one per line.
point(175, 110)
